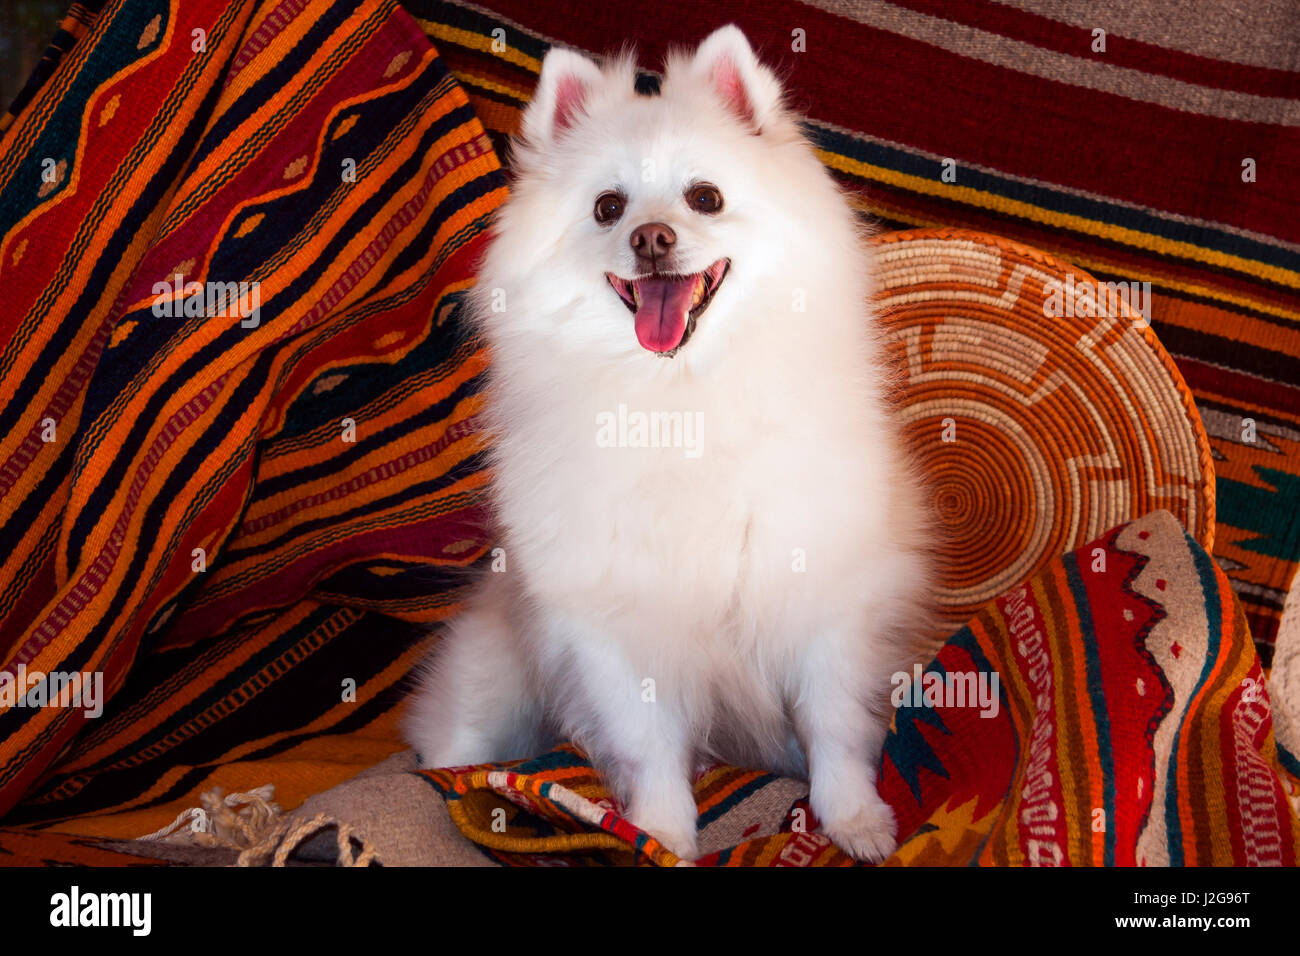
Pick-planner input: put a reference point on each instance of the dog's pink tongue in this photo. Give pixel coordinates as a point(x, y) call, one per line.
point(661, 316)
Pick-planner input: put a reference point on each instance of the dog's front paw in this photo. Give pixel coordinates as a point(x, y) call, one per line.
point(684, 845)
point(671, 822)
point(868, 832)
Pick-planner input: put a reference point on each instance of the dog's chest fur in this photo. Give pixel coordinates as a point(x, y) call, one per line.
point(741, 540)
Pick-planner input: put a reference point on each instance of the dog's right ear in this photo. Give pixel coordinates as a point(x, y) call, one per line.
point(562, 93)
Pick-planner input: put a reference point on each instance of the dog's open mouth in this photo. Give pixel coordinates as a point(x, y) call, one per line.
point(666, 307)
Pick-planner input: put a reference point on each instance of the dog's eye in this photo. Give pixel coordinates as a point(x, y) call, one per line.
point(609, 207)
point(704, 198)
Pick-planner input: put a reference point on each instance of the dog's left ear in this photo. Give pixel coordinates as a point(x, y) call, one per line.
point(726, 62)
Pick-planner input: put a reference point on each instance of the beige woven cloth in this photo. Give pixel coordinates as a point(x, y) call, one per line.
point(391, 816)
point(390, 811)
point(384, 815)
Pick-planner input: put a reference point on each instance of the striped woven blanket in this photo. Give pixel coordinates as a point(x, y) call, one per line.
point(239, 463)
point(241, 516)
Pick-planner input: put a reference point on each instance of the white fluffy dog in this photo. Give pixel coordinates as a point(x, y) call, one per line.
point(714, 546)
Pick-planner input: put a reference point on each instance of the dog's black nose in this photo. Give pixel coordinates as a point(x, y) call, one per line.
point(651, 241)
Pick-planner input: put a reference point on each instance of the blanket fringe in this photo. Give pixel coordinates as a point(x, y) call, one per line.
point(288, 834)
point(252, 824)
point(233, 821)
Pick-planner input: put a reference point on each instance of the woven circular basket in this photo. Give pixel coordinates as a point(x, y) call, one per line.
point(1038, 430)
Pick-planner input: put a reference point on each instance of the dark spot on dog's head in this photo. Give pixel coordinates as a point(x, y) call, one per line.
point(647, 84)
